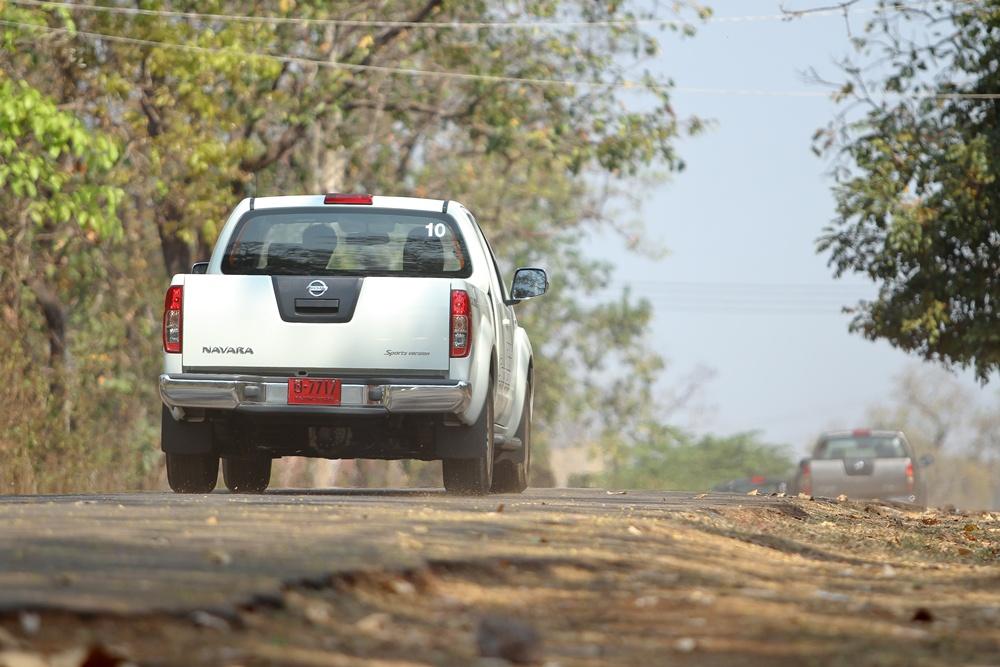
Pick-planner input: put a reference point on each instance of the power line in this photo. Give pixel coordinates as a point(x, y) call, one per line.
point(745, 312)
point(742, 290)
point(332, 64)
point(746, 302)
point(477, 25)
point(444, 74)
point(751, 299)
point(662, 303)
point(745, 298)
point(748, 285)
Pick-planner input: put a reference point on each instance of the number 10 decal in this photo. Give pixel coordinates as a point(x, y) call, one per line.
point(437, 230)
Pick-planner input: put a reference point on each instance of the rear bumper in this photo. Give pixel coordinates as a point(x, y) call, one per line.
point(247, 393)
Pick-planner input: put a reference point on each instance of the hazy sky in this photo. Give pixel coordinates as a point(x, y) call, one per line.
point(743, 291)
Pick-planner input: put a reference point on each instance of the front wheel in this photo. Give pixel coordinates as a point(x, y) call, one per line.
point(511, 476)
point(247, 475)
point(192, 473)
point(474, 476)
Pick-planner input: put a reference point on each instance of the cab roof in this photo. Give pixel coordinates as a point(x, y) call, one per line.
point(861, 433)
point(377, 201)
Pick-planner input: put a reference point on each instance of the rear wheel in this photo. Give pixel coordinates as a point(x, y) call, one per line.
point(192, 473)
point(247, 475)
point(474, 476)
point(511, 476)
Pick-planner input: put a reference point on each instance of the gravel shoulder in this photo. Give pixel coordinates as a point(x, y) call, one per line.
point(568, 578)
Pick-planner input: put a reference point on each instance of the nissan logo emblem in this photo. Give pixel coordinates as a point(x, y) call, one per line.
point(317, 288)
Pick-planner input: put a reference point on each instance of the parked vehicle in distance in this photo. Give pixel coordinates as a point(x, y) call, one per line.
point(347, 326)
point(761, 483)
point(864, 464)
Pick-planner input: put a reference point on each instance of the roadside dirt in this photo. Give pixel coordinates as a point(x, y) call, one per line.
point(800, 582)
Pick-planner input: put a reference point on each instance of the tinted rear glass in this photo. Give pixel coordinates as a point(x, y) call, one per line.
point(339, 242)
point(883, 447)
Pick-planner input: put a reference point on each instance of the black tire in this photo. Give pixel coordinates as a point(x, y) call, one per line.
point(192, 473)
point(247, 475)
point(474, 476)
point(511, 476)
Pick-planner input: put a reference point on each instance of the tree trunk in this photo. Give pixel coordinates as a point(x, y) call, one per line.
point(54, 313)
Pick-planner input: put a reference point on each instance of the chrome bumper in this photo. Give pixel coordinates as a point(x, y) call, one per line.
point(260, 393)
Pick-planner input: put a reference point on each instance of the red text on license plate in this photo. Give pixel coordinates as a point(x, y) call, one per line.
point(313, 391)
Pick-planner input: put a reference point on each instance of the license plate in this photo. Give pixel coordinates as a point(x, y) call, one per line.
point(313, 391)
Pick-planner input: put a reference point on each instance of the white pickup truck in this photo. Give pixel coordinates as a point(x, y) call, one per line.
point(347, 326)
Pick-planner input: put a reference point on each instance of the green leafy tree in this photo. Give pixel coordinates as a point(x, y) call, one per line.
point(55, 204)
point(58, 204)
point(917, 188)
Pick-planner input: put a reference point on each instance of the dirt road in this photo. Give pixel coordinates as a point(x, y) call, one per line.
point(557, 577)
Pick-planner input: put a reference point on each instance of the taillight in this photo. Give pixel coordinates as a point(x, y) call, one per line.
point(172, 306)
point(909, 475)
point(337, 198)
point(461, 324)
point(805, 479)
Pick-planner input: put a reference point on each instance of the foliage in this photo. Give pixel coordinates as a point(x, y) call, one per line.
point(917, 188)
point(60, 227)
point(205, 114)
point(52, 164)
point(671, 459)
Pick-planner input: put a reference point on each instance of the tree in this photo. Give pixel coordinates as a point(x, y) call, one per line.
point(54, 202)
point(58, 203)
point(916, 183)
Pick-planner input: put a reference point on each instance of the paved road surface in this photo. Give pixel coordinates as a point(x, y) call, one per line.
point(146, 552)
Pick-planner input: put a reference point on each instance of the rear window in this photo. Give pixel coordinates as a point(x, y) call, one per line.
point(856, 447)
point(337, 242)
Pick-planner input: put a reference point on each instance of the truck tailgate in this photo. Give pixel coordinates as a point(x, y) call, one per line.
point(340, 324)
point(860, 477)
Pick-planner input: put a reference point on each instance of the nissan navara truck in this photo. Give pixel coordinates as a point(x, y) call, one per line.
point(348, 326)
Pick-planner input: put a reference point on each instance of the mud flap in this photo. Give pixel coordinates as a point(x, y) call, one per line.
point(184, 437)
point(456, 442)
point(461, 442)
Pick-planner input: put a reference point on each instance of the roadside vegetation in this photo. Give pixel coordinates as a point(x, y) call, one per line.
point(916, 171)
point(126, 136)
point(917, 180)
point(672, 459)
point(121, 159)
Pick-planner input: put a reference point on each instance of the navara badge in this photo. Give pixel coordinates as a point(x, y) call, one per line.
point(317, 288)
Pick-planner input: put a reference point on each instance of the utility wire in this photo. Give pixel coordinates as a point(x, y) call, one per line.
point(332, 64)
point(440, 74)
point(745, 298)
point(477, 25)
point(753, 311)
point(747, 285)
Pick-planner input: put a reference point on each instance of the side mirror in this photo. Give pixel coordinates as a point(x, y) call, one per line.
point(199, 267)
point(528, 283)
point(926, 460)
